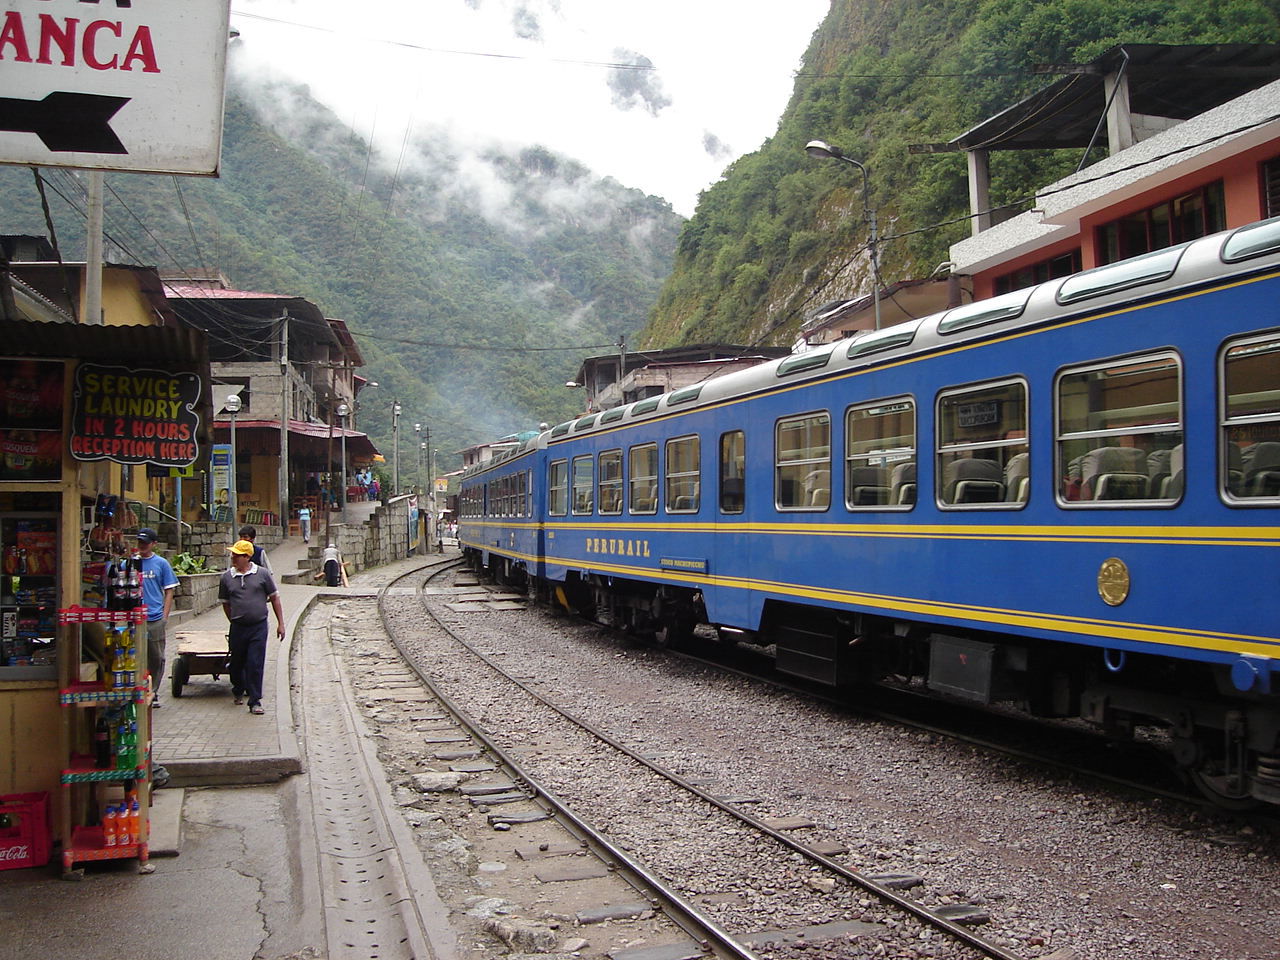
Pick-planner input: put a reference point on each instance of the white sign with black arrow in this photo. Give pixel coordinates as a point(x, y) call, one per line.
point(113, 84)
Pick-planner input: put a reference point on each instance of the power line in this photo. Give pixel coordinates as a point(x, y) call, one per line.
point(481, 346)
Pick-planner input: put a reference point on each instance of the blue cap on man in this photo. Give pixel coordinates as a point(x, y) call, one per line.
point(147, 535)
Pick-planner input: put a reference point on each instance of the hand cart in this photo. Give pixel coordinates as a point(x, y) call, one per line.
point(199, 652)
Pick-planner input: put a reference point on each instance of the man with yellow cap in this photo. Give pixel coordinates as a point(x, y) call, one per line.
point(245, 590)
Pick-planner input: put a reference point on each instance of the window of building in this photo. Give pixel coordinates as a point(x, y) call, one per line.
point(583, 484)
point(1196, 214)
point(1053, 268)
point(683, 486)
point(733, 471)
point(1120, 431)
point(643, 463)
point(558, 488)
point(1271, 187)
point(880, 454)
point(802, 462)
point(611, 482)
point(982, 456)
point(1250, 468)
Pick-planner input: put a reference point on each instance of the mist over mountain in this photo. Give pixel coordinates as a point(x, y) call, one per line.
point(456, 266)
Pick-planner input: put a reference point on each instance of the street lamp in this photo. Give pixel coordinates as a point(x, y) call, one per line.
point(395, 445)
point(233, 407)
point(344, 411)
point(417, 432)
point(824, 151)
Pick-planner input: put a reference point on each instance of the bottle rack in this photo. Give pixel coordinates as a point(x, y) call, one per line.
point(86, 841)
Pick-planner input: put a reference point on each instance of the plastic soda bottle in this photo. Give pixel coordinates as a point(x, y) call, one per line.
point(135, 823)
point(131, 667)
point(110, 826)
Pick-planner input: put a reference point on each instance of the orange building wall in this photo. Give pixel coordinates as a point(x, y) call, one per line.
point(1242, 186)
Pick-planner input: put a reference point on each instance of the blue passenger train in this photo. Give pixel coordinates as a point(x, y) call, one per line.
point(1067, 497)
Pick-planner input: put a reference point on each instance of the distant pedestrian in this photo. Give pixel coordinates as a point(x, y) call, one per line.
point(159, 584)
point(245, 590)
point(304, 522)
point(334, 573)
point(259, 555)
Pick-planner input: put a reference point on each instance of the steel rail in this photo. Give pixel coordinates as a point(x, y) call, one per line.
point(920, 912)
point(705, 931)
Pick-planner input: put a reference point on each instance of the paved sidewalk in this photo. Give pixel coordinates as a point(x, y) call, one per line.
point(202, 737)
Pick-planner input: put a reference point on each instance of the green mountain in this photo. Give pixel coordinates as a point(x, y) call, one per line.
point(782, 233)
point(457, 297)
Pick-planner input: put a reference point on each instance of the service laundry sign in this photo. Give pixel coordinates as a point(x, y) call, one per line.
point(113, 84)
point(135, 416)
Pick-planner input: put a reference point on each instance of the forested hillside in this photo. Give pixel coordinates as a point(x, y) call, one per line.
point(783, 233)
point(455, 293)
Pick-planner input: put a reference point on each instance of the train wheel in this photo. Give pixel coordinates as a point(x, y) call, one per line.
point(1225, 792)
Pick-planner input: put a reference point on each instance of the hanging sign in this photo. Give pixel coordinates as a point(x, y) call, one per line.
point(117, 85)
point(30, 419)
point(135, 416)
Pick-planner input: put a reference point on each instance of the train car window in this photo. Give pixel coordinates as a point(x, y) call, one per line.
point(1119, 432)
point(882, 340)
point(802, 462)
point(612, 416)
point(1134, 272)
point(643, 462)
point(1250, 464)
point(645, 406)
point(991, 310)
point(562, 428)
point(733, 471)
point(1252, 241)
point(610, 493)
point(880, 455)
point(558, 488)
point(684, 396)
point(683, 480)
point(805, 361)
point(583, 484)
point(584, 422)
point(982, 454)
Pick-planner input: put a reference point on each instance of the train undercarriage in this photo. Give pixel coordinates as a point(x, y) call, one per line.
point(1224, 742)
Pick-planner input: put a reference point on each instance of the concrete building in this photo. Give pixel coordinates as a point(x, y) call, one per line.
point(1192, 139)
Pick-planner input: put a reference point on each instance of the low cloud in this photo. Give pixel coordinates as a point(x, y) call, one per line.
point(714, 146)
point(525, 23)
point(637, 84)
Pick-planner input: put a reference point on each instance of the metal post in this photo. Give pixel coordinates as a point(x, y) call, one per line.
point(817, 148)
point(344, 411)
point(282, 483)
point(93, 256)
point(233, 407)
point(395, 445)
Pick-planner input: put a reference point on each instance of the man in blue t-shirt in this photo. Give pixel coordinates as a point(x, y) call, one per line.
point(158, 585)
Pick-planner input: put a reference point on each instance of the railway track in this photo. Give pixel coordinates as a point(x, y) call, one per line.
point(770, 892)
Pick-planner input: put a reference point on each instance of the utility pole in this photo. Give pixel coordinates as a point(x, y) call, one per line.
point(283, 479)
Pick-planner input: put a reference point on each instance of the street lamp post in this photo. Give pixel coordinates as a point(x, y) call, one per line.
point(417, 432)
point(395, 444)
point(233, 407)
point(344, 411)
point(824, 151)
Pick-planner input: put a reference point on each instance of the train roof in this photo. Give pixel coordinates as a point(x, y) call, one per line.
point(1248, 249)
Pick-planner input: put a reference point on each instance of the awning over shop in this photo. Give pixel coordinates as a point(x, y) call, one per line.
point(358, 444)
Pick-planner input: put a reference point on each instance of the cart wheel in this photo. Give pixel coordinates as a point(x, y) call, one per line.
point(181, 674)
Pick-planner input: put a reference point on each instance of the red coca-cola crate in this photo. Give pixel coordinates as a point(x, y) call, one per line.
point(24, 830)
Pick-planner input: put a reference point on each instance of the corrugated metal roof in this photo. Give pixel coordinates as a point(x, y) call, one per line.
point(1178, 82)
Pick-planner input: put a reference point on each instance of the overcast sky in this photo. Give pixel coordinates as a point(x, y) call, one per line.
point(536, 71)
